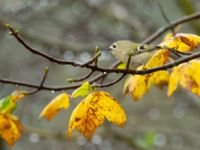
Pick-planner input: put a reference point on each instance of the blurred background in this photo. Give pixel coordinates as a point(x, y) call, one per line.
point(71, 29)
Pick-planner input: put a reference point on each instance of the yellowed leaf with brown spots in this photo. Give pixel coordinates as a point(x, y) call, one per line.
point(10, 128)
point(91, 112)
point(187, 75)
point(159, 78)
point(158, 59)
point(57, 104)
point(183, 42)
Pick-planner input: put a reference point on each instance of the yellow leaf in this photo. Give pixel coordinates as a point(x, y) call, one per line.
point(174, 79)
point(57, 104)
point(138, 85)
point(91, 111)
point(126, 85)
point(187, 75)
point(168, 36)
point(183, 42)
point(158, 59)
point(10, 128)
point(159, 78)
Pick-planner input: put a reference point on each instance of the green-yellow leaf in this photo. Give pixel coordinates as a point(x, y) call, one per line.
point(121, 66)
point(7, 104)
point(83, 90)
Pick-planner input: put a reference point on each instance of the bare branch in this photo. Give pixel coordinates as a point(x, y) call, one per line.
point(82, 78)
point(110, 70)
point(46, 71)
point(94, 67)
point(165, 16)
point(160, 31)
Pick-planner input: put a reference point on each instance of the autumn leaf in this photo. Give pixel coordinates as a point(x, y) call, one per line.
point(159, 78)
point(57, 104)
point(138, 85)
point(182, 42)
point(187, 75)
point(121, 66)
point(10, 128)
point(83, 90)
point(9, 103)
point(91, 112)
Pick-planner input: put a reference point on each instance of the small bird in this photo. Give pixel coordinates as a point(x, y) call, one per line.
point(140, 54)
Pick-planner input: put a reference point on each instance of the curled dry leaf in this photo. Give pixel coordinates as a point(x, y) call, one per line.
point(187, 75)
point(10, 128)
point(182, 42)
point(57, 104)
point(91, 112)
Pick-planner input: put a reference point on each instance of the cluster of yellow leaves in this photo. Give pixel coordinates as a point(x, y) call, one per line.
point(10, 127)
point(90, 113)
point(138, 85)
point(185, 74)
point(92, 110)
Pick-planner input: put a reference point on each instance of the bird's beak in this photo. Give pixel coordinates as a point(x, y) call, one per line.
point(106, 49)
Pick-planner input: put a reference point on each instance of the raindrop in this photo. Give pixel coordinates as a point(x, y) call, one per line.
point(52, 91)
point(160, 140)
point(34, 137)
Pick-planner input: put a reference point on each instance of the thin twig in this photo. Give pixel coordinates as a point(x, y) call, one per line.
point(163, 29)
point(110, 83)
point(94, 59)
point(175, 52)
point(48, 57)
point(165, 16)
point(46, 71)
point(82, 78)
point(104, 71)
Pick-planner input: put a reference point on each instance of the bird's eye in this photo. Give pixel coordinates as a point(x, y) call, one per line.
point(114, 46)
point(141, 47)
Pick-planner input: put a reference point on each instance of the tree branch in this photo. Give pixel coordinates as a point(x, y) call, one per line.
point(165, 16)
point(160, 31)
point(94, 67)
